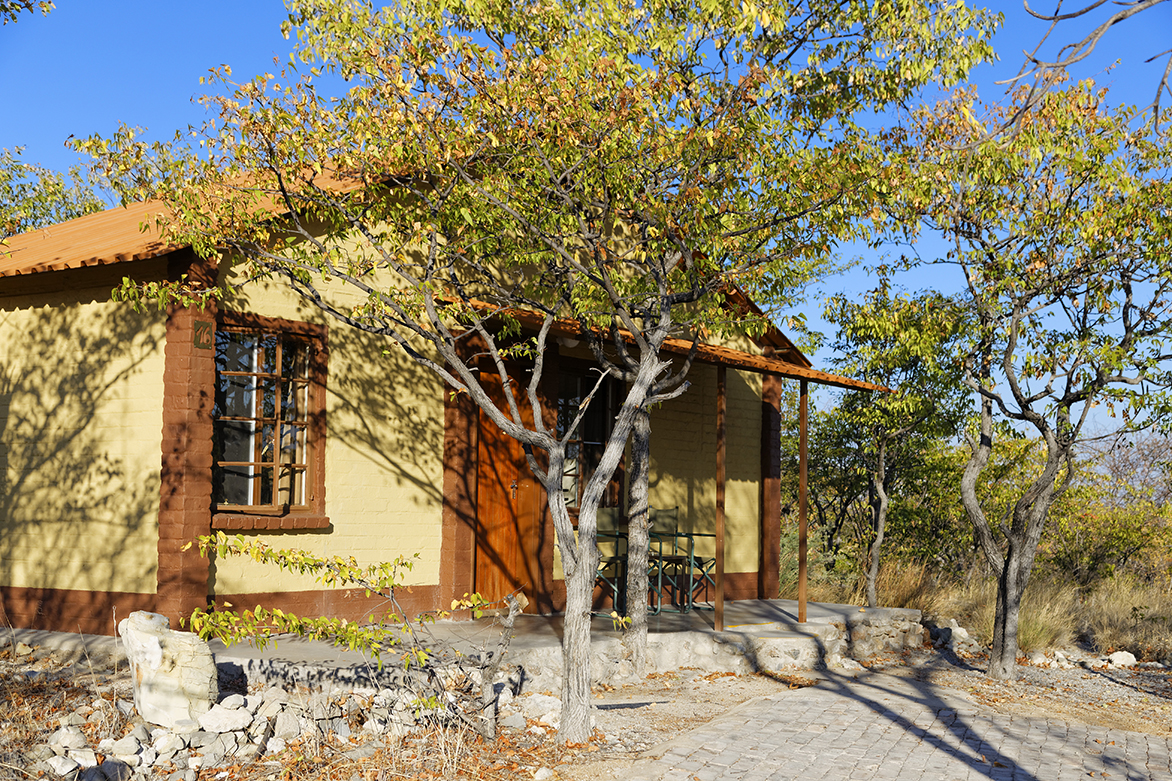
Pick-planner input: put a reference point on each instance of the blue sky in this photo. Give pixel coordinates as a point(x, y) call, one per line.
point(90, 65)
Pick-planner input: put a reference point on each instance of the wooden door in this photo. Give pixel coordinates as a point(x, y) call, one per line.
point(510, 515)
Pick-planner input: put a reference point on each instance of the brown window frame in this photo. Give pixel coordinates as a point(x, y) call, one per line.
point(310, 515)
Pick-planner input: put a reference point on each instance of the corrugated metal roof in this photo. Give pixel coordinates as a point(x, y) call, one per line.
point(112, 236)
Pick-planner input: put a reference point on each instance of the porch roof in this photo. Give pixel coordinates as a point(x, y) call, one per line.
point(716, 354)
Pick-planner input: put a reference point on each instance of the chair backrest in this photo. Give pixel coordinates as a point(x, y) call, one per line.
point(664, 520)
point(611, 519)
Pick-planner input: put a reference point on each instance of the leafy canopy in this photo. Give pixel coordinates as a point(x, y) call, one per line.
point(35, 197)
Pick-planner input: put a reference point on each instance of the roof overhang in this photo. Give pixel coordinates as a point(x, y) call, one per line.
point(129, 233)
point(708, 353)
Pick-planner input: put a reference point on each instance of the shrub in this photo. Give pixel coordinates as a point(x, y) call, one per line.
point(446, 684)
point(1096, 541)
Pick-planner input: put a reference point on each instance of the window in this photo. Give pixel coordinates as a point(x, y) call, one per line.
point(584, 450)
point(269, 424)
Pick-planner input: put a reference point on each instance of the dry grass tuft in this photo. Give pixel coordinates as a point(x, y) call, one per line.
point(1048, 619)
point(1122, 614)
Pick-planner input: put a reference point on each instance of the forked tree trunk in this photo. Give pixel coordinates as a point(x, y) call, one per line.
point(1010, 588)
point(638, 542)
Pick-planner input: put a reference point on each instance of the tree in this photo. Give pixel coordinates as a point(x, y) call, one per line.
point(497, 173)
point(33, 197)
point(1061, 234)
point(10, 8)
point(1042, 73)
point(905, 344)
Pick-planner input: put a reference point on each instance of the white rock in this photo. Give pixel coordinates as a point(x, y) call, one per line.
point(84, 757)
point(543, 774)
point(1122, 659)
point(62, 765)
point(174, 673)
point(288, 726)
point(131, 760)
point(169, 742)
point(67, 738)
point(221, 719)
point(552, 719)
point(233, 701)
point(275, 745)
point(185, 727)
point(535, 705)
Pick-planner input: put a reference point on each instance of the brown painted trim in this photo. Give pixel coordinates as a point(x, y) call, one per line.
point(458, 524)
point(262, 323)
point(290, 522)
point(769, 562)
point(70, 610)
point(721, 410)
point(185, 493)
point(351, 604)
point(740, 585)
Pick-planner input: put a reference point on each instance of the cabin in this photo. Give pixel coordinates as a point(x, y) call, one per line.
point(125, 435)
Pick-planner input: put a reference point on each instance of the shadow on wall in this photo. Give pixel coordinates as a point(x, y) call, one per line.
point(387, 408)
point(80, 424)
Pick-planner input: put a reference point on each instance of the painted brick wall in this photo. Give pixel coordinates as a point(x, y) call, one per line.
point(80, 432)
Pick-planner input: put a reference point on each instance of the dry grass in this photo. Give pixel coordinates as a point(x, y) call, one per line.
point(1119, 613)
point(898, 585)
point(1124, 615)
point(1049, 611)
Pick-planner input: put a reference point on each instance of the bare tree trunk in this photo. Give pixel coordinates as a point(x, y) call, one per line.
point(576, 724)
point(879, 505)
point(638, 542)
point(1003, 656)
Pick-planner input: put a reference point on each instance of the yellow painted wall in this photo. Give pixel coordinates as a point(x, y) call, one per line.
point(384, 449)
point(683, 463)
point(81, 390)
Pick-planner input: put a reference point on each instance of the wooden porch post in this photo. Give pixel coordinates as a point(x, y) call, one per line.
point(721, 404)
point(803, 415)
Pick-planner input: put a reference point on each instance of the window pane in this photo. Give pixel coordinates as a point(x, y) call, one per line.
point(232, 485)
point(268, 346)
point(292, 444)
point(294, 359)
point(292, 488)
point(235, 352)
point(295, 401)
point(266, 486)
point(268, 389)
point(234, 440)
point(235, 397)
